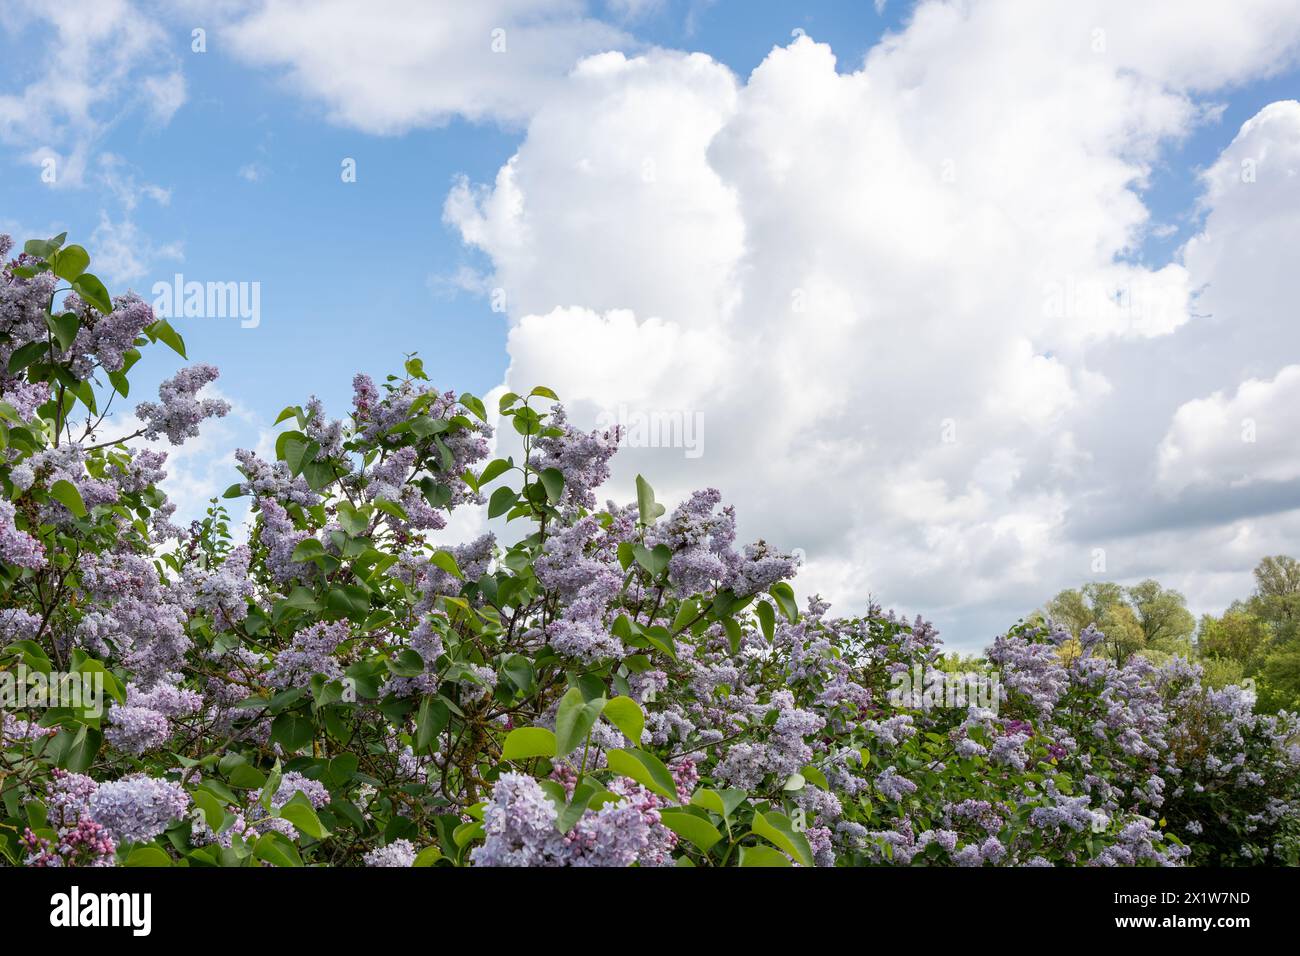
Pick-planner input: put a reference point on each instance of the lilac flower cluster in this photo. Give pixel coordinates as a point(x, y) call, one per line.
point(519, 821)
point(104, 340)
point(581, 457)
point(137, 618)
point(266, 481)
point(179, 410)
point(145, 720)
point(138, 808)
point(398, 853)
point(18, 547)
point(223, 591)
point(312, 652)
point(86, 844)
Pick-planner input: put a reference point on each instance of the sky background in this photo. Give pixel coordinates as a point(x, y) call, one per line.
point(974, 301)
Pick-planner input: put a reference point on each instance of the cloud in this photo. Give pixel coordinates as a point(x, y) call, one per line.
point(902, 296)
point(634, 9)
point(1238, 440)
point(123, 254)
point(89, 60)
point(410, 63)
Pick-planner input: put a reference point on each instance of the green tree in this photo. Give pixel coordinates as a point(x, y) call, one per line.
point(1279, 684)
point(1077, 609)
point(1123, 631)
point(1162, 614)
point(1238, 635)
point(1276, 600)
point(1145, 617)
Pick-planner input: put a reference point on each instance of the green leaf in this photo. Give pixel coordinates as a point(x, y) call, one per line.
point(302, 815)
point(70, 263)
point(495, 469)
point(425, 425)
point(574, 720)
point(474, 404)
point(292, 731)
point(44, 248)
point(625, 714)
point(447, 561)
point(148, 856)
point(84, 391)
point(64, 327)
point(77, 751)
point(687, 612)
point(92, 290)
point(502, 500)
point(761, 856)
point(523, 743)
point(353, 521)
point(307, 549)
point(776, 829)
point(813, 775)
point(408, 663)
point(212, 808)
point(625, 554)
point(466, 833)
point(544, 392)
point(690, 827)
point(553, 481)
point(437, 495)
point(26, 355)
point(645, 500)
point(32, 653)
point(569, 814)
point(244, 776)
point(277, 849)
point(766, 619)
point(66, 493)
point(348, 599)
point(298, 453)
point(428, 856)
point(430, 721)
point(521, 672)
point(709, 800)
point(655, 561)
point(661, 639)
point(162, 331)
point(784, 595)
point(392, 508)
point(734, 634)
point(646, 769)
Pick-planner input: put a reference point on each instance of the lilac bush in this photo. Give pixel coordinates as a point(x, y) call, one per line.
point(605, 686)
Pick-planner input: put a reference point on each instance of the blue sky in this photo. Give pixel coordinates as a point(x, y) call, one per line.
point(351, 273)
point(239, 180)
